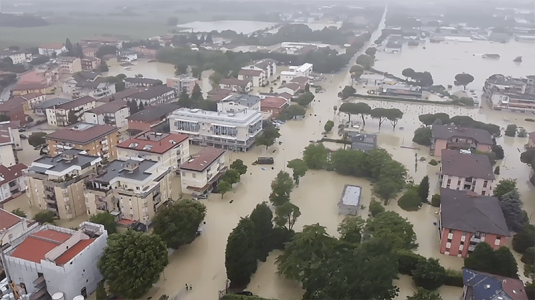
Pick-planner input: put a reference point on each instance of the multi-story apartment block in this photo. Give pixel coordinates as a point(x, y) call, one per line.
point(141, 82)
point(169, 149)
point(256, 75)
point(455, 137)
point(236, 85)
point(130, 189)
point(509, 93)
point(12, 182)
point(90, 63)
point(56, 183)
point(52, 49)
point(268, 65)
point(113, 113)
point(58, 115)
point(17, 57)
point(465, 171)
point(183, 82)
point(69, 65)
point(467, 219)
point(155, 95)
point(236, 131)
point(99, 140)
point(239, 103)
point(47, 260)
point(9, 143)
point(202, 172)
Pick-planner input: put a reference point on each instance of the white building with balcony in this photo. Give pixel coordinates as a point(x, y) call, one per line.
point(236, 131)
point(169, 149)
point(238, 103)
point(202, 172)
point(130, 189)
point(58, 115)
point(466, 171)
point(48, 259)
point(296, 71)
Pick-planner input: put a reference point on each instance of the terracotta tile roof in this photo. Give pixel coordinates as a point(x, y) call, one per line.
point(82, 135)
point(110, 107)
point(151, 142)
point(203, 159)
point(33, 249)
point(73, 251)
point(294, 86)
point(11, 104)
point(29, 86)
point(273, 102)
point(11, 173)
point(246, 72)
point(8, 220)
point(76, 103)
point(53, 235)
point(464, 165)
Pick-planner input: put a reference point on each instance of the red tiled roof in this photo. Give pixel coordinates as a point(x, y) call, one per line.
point(8, 220)
point(294, 86)
point(30, 96)
point(54, 235)
point(73, 251)
point(33, 249)
point(75, 103)
point(246, 72)
point(203, 159)
point(29, 86)
point(11, 173)
point(273, 102)
point(160, 144)
point(11, 104)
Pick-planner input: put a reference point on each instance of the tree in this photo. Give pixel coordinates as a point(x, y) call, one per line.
point(209, 39)
point(435, 200)
point(328, 126)
point(503, 187)
point(37, 138)
point(281, 187)
point(366, 61)
point(423, 294)
point(106, 219)
point(485, 259)
point(429, 274)
point(391, 225)
point(223, 187)
point(106, 49)
point(240, 260)
point(510, 130)
point(103, 67)
point(299, 168)
point(305, 99)
point(362, 109)
point(505, 263)
point(263, 229)
point(356, 71)
point(411, 200)
point(347, 92)
point(184, 99)
point(78, 51)
point(8, 60)
point(423, 79)
point(371, 51)
point(72, 118)
point(69, 47)
point(216, 77)
point(423, 188)
point(350, 229)
point(512, 210)
point(393, 115)
point(177, 224)
point(291, 112)
point(464, 79)
point(239, 166)
point(408, 261)
point(231, 176)
point(376, 208)
point(348, 108)
point(132, 263)
point(268, 137)
point(524, 239)
point(101, 291)
point(528, 157)
point(196, 93)
point(286, 215)
point(19, 212)
point(45, 216)
point(380, 114)
point(316, 156)
point(408, 73)
point(498, 151)
point(422, 136)
point(181, 68)
point(172, 21)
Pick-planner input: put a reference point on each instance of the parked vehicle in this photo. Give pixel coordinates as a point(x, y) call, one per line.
point(264, 161)
point(22, 136)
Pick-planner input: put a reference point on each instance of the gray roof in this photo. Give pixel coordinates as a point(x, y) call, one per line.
point(154, 113)
point(243, 99)
point(470, 212)
point(152, 92)
point(52, 102)
point(60, 162)
point(117, 169)
point(142, 80)
point(485, 286)
point(466, 165)
point(351, 195)
point(363, 142)
point(445, 132)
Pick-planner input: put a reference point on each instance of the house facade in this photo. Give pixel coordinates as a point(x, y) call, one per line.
point(467, 219)
point(456, 137)
point(169, 149)
point(56, 183)
point(17, 57)
point(238, 103)
point(464, 171)
point(114, 113)
point(256, 75)
point(90, 63)
point(183, 82)
point(69, 65)
point(12, 226)
point(236, 85)
point(235, 131)
point(202, 172)
point(273, 106)
point(154, 95)
point(130, 189)
point(12, 181)
point(59, 115)
point(51, 49)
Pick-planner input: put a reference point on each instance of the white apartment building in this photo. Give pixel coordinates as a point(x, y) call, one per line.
point(12, 181)
point(57, 183)
point(12, 226)
point(169, 149)
point(16, 56)
point(9, 143)
point(296, 71)
point(256, 75)
point(268, 65)
point(59, 115)
point(462, 171)
point(51, 49)
point(202, 172)
point(130, 189)
point(69, 65)
point(239, 103)
point(183, 82)
point(113, 113)
point(236, 131)
point(48, 259)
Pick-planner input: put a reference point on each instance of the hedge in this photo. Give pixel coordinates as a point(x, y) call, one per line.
point(407, 261)
point(395, 99)
point(454, 278)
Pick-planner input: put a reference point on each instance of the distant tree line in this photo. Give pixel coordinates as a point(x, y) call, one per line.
point(24, 20)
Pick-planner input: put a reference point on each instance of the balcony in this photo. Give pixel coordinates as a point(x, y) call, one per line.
point(40, 295)
point(40, 282)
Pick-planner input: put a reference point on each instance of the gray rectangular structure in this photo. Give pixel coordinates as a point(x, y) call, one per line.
point(350, 200)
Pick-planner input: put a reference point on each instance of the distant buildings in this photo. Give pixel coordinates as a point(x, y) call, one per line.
point(273, 106)
point(236, 85)
point(69, 65)
point(141, 82)
point(254, 74)
point(405, 91)
point(462, 171)
point(12, 181)
point(238, 103)
point(350, 201)
point(515, 94)
point(88, 83)
point(154, 95)
point(303, 70)
point(268, 65)
point(51, 49)
point(12, 226)
point(480, 285)
point(182, 82)
point(235, 131)
point(112, 113)
point(467, 219)
point(150, 117)
point(49, 259)
point(58, 115)
point(456, 137)
point(202, 172)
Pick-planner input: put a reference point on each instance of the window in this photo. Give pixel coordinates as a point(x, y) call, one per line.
point(459, 183)
point(485, 183)
point(449, 181)
point(483, 193)
point(194, 175)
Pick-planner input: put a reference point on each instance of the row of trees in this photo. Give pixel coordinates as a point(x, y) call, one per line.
point(379, 113)
point(232, 176)
point(195, 100)
point(424, 79)
point(415, 195)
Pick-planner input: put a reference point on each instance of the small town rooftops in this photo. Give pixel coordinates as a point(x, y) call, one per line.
point(132, 169)
point(455, 163)
point(203, 159)
point(52, 102)
point(122, 94)
point(445, 132)
point(234, 81)
point(110, 107)
point(470, 212)
point(142, 80)
point(294, 86)
point(8, 174)
point(264, 63)
point(153, 113)
point(11, 104)
point(152, 92)
point(273, 102)
point(247, 72)
point(82, 133)
point(242, 99)
point(8, 220)
point(35, 246)
point(65, 162)
point(76, 103)
point(153, 142)
point(485, 286)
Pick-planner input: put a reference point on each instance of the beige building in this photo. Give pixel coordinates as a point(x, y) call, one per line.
point(99, 140)
point(131, 189)
point(69, 65)
point(456, 137)
point(57, 183)
point(58, 115)
point(202, 172)
point(112, 113)
point(169, 149)
point(464, 171)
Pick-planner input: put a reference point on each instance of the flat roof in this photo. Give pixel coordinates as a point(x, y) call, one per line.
point(203, 159)
point(61, 162)
point(351, 195)
point(75, 103)
point(241, 117)
point(118, 169)
point(153, 142)
point(242, 99)
point(110, 107)
point(82, 133)
point(35, 246)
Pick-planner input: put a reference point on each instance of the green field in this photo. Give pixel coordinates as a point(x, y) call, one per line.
point(57, 33)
